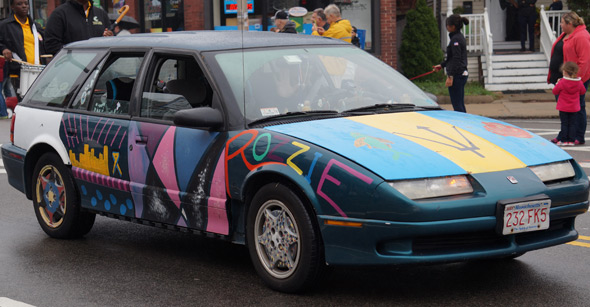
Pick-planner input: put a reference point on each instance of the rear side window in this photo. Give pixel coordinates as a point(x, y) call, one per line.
point(57, 82)
point(109, 88)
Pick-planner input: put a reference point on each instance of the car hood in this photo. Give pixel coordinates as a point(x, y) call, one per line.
point(427, 144)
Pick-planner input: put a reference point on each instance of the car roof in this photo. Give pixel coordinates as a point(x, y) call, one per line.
point(206, 40)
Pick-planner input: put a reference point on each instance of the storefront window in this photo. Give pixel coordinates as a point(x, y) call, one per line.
point(167, 20)
point(40, 11)
point(358, 12)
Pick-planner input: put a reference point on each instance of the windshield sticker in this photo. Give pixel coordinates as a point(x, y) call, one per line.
point(292, 59)
point(269, 111)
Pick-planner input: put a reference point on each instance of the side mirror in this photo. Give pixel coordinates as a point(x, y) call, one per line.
point(203, 117)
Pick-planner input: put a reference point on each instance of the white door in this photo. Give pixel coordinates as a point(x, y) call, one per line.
point(497, 20)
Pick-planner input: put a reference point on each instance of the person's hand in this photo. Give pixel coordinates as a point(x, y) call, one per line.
point(314, 27)
point(437, 67)
point(320, 30)
point(107, 32)
point(449, 81)
point(7, 54)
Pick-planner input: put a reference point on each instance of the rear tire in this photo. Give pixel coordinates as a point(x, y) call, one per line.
point(56, 200)
point(284, 245)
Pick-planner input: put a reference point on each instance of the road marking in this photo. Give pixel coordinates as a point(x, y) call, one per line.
point(580, 242)
point(6, 302)
point(584, 164)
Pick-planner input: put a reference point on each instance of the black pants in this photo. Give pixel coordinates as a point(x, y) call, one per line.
point(524, 22)
point(457, 93)
point(568, 126)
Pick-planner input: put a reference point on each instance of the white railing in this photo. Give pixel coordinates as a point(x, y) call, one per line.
point(473, 32)
point(479, 38)
point(550, 30)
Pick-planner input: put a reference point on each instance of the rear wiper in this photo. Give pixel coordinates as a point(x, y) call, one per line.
point(382, 106)
point(293, 114)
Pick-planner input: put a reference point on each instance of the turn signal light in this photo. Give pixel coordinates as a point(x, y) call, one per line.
point(343, 223)
point(12, 128)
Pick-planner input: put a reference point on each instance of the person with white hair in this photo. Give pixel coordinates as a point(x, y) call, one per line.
point(339, 28)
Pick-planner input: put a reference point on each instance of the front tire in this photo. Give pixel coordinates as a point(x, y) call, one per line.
point(56, 200)
point(284, 245)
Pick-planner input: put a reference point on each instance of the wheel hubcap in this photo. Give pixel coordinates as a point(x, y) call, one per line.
point(278, 239)
point(51, 196)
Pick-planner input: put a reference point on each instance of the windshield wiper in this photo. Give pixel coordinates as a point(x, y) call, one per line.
point(293, 114)
point(382, 106)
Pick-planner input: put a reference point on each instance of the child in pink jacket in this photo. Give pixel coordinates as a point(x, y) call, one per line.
point(568, 89)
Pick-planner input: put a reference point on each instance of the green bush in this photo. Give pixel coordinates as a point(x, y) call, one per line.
point(420, 49)
point(582, 8)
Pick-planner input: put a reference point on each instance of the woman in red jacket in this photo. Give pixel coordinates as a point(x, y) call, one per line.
point(576, 46)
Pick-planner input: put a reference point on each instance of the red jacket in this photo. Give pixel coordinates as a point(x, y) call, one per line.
point(569, 91)
point(575, 49)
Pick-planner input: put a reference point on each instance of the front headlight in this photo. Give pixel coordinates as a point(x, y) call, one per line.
point(433, 187)
point(554, 171)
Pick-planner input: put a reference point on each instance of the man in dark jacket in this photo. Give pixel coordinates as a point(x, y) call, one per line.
point(21, 39)
point(74, 21)
point(283, 24)
point(527, 17)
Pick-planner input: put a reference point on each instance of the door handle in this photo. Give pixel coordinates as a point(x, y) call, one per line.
point(140, 139)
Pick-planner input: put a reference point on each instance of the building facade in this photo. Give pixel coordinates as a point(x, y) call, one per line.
point(376, 19)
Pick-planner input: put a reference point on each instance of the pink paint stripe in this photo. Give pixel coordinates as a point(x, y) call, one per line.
point(81, 131)
point(114, 183)
point(93, 131)
point(122, 138)
point(108, 131)
point(87, 129)
point(116, 134)
point(101, 130)
point(66, 132)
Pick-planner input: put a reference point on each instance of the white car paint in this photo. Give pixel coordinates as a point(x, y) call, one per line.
point(45, 130)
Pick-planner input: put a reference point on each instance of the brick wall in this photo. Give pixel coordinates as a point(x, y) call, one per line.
point(194, 15)
point(388, 52)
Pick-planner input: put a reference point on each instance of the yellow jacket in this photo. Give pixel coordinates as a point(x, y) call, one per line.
point(340, 29)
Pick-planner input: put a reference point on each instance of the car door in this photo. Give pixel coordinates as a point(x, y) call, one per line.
point(95, 130)
point(176, 173)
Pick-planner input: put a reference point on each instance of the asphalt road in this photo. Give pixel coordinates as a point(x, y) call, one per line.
point(124, 264)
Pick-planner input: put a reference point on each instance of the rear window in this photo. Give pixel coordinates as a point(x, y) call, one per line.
point(57, 83)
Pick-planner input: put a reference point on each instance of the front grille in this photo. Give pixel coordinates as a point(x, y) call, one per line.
point(488, 240)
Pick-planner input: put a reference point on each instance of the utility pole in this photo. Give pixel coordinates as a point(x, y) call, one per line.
point(243, 24)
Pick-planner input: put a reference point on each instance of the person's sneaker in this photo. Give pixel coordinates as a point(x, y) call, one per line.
point(555, 141)
point(560, 143)
point(579, 143)
point(569, 143)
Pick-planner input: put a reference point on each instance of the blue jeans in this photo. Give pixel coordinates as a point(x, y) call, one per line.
point(457, 93)
point(3, 112)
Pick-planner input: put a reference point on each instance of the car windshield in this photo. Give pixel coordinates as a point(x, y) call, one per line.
point(289, 80)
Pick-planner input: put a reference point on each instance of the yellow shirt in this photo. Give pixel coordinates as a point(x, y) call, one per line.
point(29, 40)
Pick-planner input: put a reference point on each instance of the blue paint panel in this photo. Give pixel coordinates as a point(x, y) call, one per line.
point(387, 155)
point(531, 151)
point(189, 146)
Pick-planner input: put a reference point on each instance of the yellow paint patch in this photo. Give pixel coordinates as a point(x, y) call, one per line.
point(89, 161)
point(469, 151)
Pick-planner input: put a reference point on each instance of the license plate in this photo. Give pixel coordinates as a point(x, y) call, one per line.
point(526, 216)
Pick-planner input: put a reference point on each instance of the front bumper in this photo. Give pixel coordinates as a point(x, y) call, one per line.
point(387, 242)
point(14, 163)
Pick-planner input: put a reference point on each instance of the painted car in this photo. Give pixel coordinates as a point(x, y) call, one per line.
point(308, 150)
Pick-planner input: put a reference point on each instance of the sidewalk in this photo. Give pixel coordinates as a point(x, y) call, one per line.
point(511, 105)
